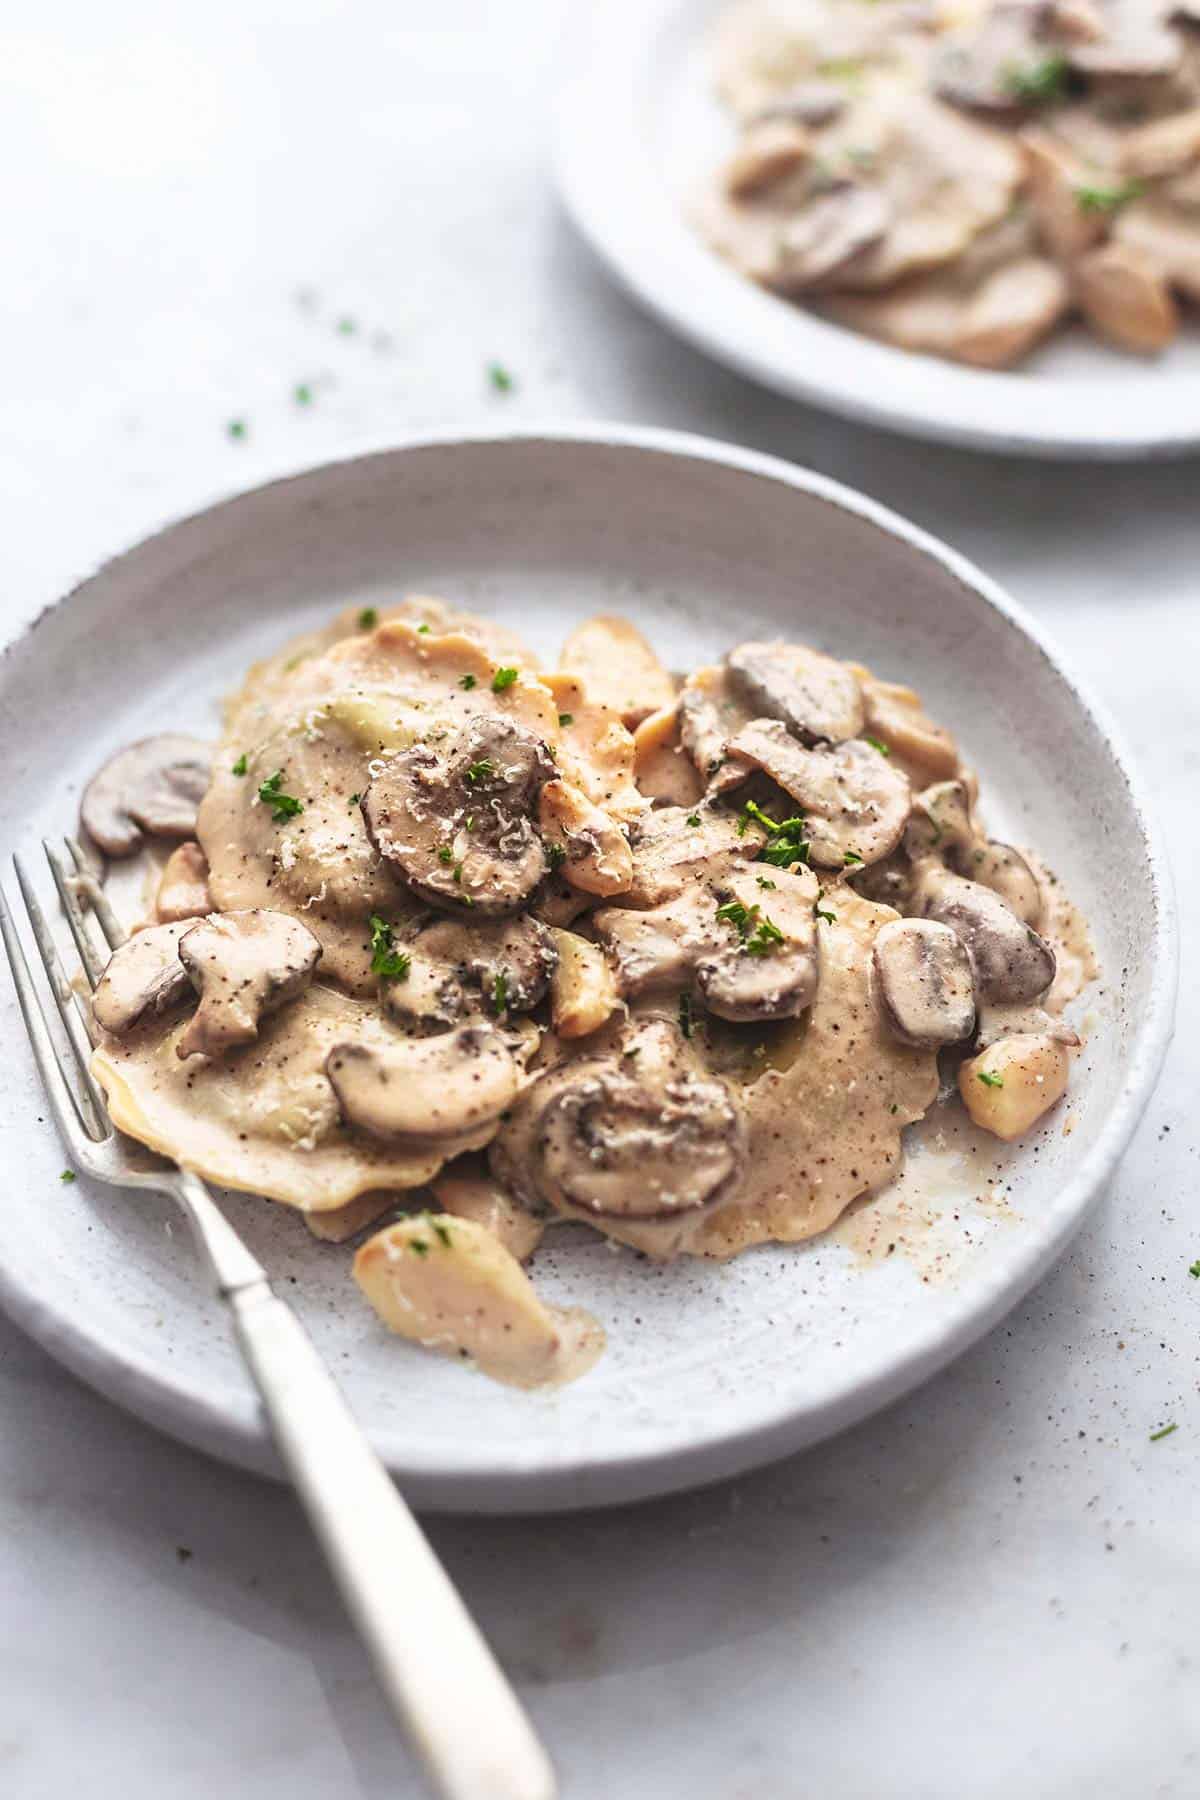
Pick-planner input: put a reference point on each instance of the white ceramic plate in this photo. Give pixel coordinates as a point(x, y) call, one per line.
point(638, 132)
point(710, 1368)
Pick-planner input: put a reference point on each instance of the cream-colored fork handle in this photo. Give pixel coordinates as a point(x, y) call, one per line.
point(437, 1673)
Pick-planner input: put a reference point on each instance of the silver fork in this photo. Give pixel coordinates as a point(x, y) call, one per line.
point(435, 1669)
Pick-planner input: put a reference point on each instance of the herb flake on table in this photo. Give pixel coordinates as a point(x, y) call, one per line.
point(500, 378)
point(1165, 1432)
point(1194, 1270)
point(368, 618)
point(67, 1177)
point(302, 394)
point(238, 430)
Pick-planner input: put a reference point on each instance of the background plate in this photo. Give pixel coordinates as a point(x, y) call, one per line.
point(638, 131)
point(710, 1368)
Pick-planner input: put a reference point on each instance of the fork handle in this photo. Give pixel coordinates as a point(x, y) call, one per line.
point(436, 1670)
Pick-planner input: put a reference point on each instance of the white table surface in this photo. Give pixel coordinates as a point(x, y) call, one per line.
point(991, 1590)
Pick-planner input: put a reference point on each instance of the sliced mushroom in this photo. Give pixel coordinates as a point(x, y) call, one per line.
point(1135, 40)
point(1164, 147)
point(808, 103)
point(154, 787)
point(940, 821)
point(770, 150)
point(925, 982)
point(1012, 963)
point(642, 1134)
point(816, 697)
point(596, 854)
point(183, 887)
point(980, 69)
point(434, 1087)
point(657, 949)
point(456, 823)
point(583, 993)
point(1055, 177)
point(675, 845)
point(1006, 872)
point(508, 962)
point(243, 965)
point(707, 715)
point(1124, 297)
point(143, 979)
point(765, 966)
point(830, 232)
point(855, 801)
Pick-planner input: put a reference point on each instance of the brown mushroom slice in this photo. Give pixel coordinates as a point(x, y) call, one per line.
point(1125, 299)
point(676, 846)
point(940, 821)
point(658, 949)
point(894, 716)
point(1012, 963)
point(152, 788)
point(817, 698)
point(596, 857)
point(855, 801)
point(142, 980)
point(766, 965)
point(979, 69)
point(433, 1087)
point(641, 1135)
point(813, 103)
point(243, 965)
point(1004, 870)
point(183, 886)
point(450, 1285)
point(1055, 177)
point(1163, 147)
point(618, 668)
point(835, 227)
point(1166, 237)
point(456, 822)
point(508, 961)
point(925, 982)
point(770, 150)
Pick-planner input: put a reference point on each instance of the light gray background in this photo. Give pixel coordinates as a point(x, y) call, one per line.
point(992, 1589)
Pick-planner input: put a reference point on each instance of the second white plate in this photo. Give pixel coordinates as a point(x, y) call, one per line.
point(638, 130)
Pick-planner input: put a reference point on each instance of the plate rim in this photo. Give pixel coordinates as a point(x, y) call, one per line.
point(235, 1429)
point(606, 191)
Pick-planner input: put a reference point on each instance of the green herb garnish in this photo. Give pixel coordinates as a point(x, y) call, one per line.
point(829, 917)
point(237, 429)
point(500, 992)
point(686, 1023)
point(764, 883)
point(693, 818)
point(737, 914)
point(878, 744)
point(446, 854)
point(1194, 1271)
point(1107, 199)
point(442, 1232)
point(990, 1080)
point(503, 678)
point(556, 855)
point(423, 629)
point(354, 800)
point(850, 858)
point(368, 618)
point(566, 718)
point(283, 806)
point(1038, 83)
point(419, 1246)
point(479, 771)
point(239, 767)
point(786, 843)
point(500, 378)
point(347, 326)
point(766, 935)
point(1165, 1432)
point(385, 959)
point(67, 1177)
point(302, 394)
point(467, 682)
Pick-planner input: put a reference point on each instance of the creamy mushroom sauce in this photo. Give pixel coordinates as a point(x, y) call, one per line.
point(961, 177)
point(674, 958)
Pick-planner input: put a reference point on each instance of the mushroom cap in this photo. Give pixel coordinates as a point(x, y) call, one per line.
point(506, 960)
point(642, 1134)
point(1125, 298)
point(143, 979)
point(1012, 963)
point(816, 697)
point(434, 1087)
point(925, 982)
point(670, 853)
point(243, 965)
point(751, 974)
point(456, 822)
point(855, 801)
point(1004, 870)
point(835, 227)
point(152, 787)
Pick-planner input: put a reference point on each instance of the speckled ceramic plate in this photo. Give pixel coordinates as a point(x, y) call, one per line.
point(710, 1368)
point(639, 132)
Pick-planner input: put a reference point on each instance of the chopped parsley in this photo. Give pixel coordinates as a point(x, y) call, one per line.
point(239, 767)
point(566, 718)
point(479, 771)
point(737, 914)
point(693, 818)
point(354, 800)
point(385, 958)
point(500, 378)
point(1165, 1432)
point(990, 1080)
point(878, 744)
point(786, 843)
point(500, 991)
point(764, 883)
point(423, 629)
point(759, 934)
point(446, 854)
point(850, 858)
point(347, 326)
point(503, 678)
point(283, 806)
point(419, 1246)
point(1194, 1271)
point(1038, 83)
point(467, 682)
point(441, 1231)
point(237, 429)
point(841, 68)
point(458, 879)
point(67, 1177)
point(686, 1022)
point(556, 855)
point(302, 394)
point(766, 935)
point(751, 811)
point(368, 618)
point(829, 917)
point(1107, 199)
